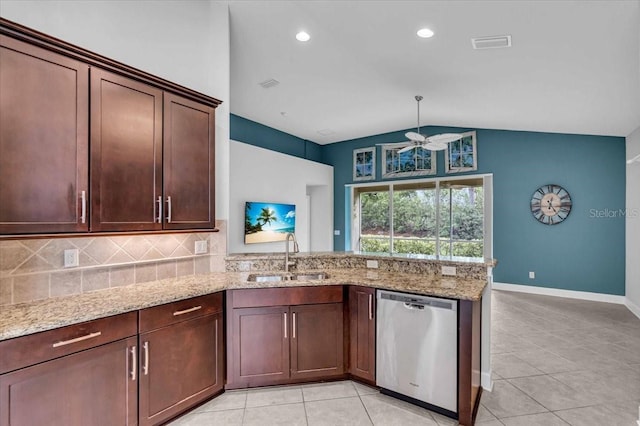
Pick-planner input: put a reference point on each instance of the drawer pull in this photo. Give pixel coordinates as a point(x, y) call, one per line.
point(294, 325)
point(186, 311)
point(76, 340)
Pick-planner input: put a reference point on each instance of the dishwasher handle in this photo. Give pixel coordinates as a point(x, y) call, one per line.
point(413, 306)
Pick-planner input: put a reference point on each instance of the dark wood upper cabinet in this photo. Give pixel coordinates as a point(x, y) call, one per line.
point(43, 140)
point(362, 333)
point(88, 144)
point(188, 168)
point(126, 154)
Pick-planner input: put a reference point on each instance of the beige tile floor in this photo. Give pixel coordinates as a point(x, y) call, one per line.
point(555, 362)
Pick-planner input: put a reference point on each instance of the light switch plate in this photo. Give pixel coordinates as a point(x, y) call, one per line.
point(448, 270)
point(336, 232)
point(372, 263)
point(532, 275)
point(71, 258)
point(201, 247)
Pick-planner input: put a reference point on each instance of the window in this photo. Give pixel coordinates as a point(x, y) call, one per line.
point(433, 217)
point(461, 155)
point(414, 162)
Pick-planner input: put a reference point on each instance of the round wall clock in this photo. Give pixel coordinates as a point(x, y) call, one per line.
point(550, 204)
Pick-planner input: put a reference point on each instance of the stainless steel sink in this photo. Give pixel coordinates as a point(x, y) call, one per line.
point(288, 277)
point(311, 276)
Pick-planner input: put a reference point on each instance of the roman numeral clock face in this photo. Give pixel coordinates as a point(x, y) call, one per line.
point(550, 204)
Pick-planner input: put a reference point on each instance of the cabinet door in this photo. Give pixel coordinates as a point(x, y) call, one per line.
point(188, 170)
point(180, 366)
point(362, 333)
point(126, 154)
point(259, 346)
point(43, 140)
point(316, 341)
point(92, 387)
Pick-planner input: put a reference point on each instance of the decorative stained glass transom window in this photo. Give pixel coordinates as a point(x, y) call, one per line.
point(414, 162)
point(462, 155)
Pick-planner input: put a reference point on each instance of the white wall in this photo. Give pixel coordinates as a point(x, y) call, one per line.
point(258, 174)
point(633, 225)
point(186, 42)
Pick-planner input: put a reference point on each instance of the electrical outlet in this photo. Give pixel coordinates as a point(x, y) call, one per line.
point(448, 270)
point(201, 247)
point(372, 264)
point(71, 258)
point(532, 275)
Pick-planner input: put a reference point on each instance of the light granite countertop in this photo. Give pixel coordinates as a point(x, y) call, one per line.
point(22, 319)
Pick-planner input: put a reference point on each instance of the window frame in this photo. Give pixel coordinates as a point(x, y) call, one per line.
point(355, 214)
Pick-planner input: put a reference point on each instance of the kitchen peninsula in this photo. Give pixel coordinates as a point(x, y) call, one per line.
point(344, 272)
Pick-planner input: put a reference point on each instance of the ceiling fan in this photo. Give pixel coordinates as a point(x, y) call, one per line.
point(432, 143)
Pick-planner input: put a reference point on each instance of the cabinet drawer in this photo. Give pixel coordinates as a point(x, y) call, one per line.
point(252, 298)
point(171, 313)
point(35, 348)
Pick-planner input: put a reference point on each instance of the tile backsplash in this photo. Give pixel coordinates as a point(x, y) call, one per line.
point(33, 269)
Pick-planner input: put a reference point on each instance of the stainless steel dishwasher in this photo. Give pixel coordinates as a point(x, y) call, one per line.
point(417, 350)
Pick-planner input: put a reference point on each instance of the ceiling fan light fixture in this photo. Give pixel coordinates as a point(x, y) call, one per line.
point(425, 33)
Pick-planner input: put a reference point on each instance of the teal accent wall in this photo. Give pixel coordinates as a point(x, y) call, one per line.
point(253, 133)
point(584, 253)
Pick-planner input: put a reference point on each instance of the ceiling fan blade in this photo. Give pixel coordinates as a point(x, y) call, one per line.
point(444, 138)
point(435, 146)
point(407, 148)
point(416, 137)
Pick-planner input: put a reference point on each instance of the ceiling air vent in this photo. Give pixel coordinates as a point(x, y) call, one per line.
point(495, 42)
point(269, 83)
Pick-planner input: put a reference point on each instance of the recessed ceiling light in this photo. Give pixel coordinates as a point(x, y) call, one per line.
point(425, 33)
point(303, 36)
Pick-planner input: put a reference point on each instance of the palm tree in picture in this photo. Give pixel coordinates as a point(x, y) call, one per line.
point(267, 216)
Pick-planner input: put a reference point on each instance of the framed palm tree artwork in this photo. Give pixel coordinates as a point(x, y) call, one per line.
point(268, 222)
point(364, 164)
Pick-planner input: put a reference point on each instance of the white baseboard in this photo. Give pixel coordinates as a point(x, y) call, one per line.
point(570, 294)
point(487, 383)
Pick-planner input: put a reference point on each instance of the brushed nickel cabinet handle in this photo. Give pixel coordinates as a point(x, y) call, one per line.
point(186, 311)
point(168, 209)
point(76, 340)
point(293, 332)
point(145, 366)
point(134, 362)
point(285, 325)
point(83, 204)
point(159, 201)
point(370, 307)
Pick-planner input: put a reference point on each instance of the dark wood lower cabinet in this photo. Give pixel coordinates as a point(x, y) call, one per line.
point(94, 387)
point(182, 363)
point(362, 333)
point(285, 343)
point(259, 346)
point(316, 343)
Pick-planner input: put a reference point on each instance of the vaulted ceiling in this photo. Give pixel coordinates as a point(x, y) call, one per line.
point(573, 67)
